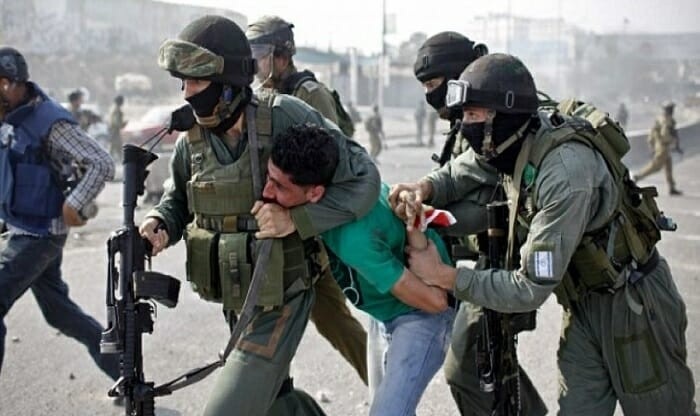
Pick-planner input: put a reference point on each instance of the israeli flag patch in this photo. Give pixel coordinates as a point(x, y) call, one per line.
point(543, 264)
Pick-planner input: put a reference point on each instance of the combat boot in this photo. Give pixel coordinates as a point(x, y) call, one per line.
point(675, 192)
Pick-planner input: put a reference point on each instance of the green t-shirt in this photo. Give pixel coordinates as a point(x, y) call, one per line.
point(372, 248)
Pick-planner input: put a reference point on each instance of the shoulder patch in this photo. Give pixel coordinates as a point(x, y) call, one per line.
point(310, 85)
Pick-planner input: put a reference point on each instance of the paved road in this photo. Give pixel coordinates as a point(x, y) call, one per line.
point(47, 373)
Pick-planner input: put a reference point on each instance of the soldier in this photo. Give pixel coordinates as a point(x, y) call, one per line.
point(373, 125)
point(210, 199)
point(443, 57)
point(663, 139)
point(272, 43)
point(419, 116)
point(40, 143)
point(410, 322)
point(432, 123)
point(353, 113)
point(440, 59)
point(622, 115)
point(116, 124)
point(623, 335)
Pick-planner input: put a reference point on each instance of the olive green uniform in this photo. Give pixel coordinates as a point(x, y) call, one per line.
point(625, 343)
point(258, 366)
point(314, 94)
point(116, 124)
point(460, 362)
point(330, 313)
point(663, 138)
point(373, 125)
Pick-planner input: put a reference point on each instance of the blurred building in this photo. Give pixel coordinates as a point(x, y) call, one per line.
point(94, 43)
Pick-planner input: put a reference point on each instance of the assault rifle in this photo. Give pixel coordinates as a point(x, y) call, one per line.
point(496, 353)
point(130, 289)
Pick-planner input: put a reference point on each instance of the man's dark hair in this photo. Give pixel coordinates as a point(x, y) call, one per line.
point(75, 96)
point(306, 152)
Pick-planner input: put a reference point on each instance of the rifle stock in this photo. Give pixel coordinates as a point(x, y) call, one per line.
point(130, 287)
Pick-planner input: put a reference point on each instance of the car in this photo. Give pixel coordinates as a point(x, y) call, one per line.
point(149, 125)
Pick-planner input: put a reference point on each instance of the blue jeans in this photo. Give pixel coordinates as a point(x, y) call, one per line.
point(403, 355)
point(30, 262)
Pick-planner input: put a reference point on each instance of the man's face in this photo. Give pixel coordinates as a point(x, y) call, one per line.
point(10, 95)
point(280, 189)
point(432, 84)
point(192, 87)
point(264, 67)
point(475, 115)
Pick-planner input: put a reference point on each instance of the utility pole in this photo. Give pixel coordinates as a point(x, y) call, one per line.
point(382, 62)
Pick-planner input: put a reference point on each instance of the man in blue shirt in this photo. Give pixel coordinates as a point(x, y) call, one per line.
point(410, 322)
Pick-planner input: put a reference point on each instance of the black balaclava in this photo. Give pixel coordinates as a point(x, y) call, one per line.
point(204, 102)
point(436, 99)
point(218, 107)
point(504, 126)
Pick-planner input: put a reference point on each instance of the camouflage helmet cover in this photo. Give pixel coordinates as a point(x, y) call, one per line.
point(13, 65)
point(446, 54)
point(500, 82)
point(212, 48)
point(275, 31)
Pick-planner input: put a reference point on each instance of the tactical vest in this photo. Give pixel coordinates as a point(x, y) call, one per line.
point(221, 248)
point(295, 81)
point(31, 193)
point(605, 257)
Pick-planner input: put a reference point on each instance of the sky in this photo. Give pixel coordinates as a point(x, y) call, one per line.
point(357, 23)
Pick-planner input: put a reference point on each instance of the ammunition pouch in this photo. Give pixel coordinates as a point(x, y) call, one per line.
point(234, 268)
point(220, 266)
point(202, 262)
point(219, 198)
point(227, 223)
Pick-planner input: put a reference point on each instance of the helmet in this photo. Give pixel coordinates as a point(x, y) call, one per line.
point(13, 65)
point(497, 81)
point(446, 55)
point(119, 100)
point(212, 48)
point(274, 32)
point(668, 105)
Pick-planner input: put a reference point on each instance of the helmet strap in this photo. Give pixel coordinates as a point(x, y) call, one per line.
point(223, 110)
point(512, 139)
point(487, 148)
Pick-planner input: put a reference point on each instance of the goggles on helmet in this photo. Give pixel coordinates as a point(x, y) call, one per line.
point(189, 60)
point(457, 93)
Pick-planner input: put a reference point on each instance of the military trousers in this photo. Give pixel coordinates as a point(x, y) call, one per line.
point(610, 353)
point(375, 145)
point(461, 371)
point(255, 371)
point(659, 161)
point(334, 322)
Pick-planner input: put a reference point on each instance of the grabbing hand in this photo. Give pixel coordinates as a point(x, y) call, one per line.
point(427, 265)
point(157, 236)
point(406, 200)
point(274, 221)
